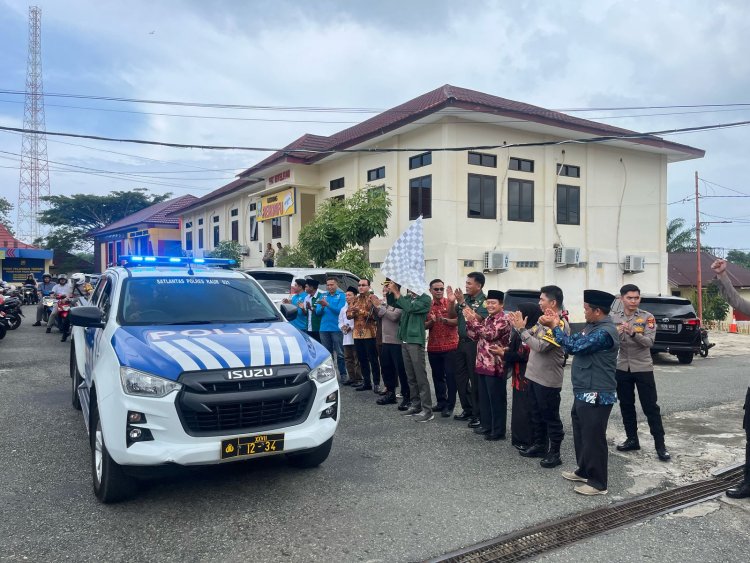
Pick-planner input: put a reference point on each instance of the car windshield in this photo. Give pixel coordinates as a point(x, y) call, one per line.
point(514, 299)
point(194, 300)
point(672, 308)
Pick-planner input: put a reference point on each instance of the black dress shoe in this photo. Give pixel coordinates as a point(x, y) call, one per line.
point(446, 412)
point(494, 437)
point(64, 338)
point(663, 453)
point(481, 430)
point(535, 450)
point(48, 330)
point(405, 404)
point(629, 445)
point(474, 423)
point(37, 324)
point(463, 416)
point(363, 388)
point(552, 459)
point(740, 491)
point(387, 399)
point(520, 446)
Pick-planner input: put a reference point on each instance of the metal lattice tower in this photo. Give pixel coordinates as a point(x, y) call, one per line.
point(34, 178)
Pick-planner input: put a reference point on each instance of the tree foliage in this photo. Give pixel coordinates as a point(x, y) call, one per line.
point(353, 259)
point(739, 257)
point(293, 257)
point(715, 308)
point(73, 217)
point(342, 226)
point(679, 237)
point(230, 249)
point(5, 208)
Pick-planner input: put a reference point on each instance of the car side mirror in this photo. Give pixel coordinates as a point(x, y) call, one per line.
point(289, 311)
point(89, 317)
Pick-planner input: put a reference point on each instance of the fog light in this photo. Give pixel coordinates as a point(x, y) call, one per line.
point(331, 412)
point(136, 417)
point(333, 397)
point(135, 434)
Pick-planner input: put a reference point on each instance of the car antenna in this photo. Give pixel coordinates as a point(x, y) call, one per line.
point(190, 271)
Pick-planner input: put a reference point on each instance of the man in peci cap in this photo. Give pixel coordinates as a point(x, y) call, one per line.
point(594, 352)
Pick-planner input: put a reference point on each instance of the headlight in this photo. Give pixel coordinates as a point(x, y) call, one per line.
point(324, 371)
point(144, 384)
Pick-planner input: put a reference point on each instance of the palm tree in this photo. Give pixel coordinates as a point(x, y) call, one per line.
point(679, 237)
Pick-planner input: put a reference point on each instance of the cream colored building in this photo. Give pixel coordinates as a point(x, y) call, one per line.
point(498, 188)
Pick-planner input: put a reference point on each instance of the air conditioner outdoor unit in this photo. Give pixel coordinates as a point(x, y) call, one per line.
point(634, 263)
point(567, 256)
point(494, 260)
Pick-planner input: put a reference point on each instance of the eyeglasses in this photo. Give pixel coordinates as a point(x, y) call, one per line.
point(438, 289)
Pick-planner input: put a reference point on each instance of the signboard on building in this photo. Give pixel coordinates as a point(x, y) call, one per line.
point(284, 176)
point(15, 270)
point(277, 205)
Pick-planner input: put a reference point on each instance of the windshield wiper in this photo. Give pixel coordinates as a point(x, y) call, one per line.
point(192, 323)
point(263, 320)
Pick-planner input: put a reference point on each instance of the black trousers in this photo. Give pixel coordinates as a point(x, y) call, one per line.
point(521, 427)
point(314, 334)
point(466, 379)
point(545, 415)
point(746, 426)
point(443, 368)
point(493, 398)
point(392, 364)
point(627, 382)
point(367, 352)
point(590, 439)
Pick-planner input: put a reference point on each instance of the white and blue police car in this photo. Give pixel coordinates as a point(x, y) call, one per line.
point(176, 361)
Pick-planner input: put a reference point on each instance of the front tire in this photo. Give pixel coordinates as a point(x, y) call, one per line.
point(14, 322)
point(111, 484)
point(311, 458)
point(685, 357)
point(75, 378)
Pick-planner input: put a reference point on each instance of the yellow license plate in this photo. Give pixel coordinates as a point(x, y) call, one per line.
point(245, 446)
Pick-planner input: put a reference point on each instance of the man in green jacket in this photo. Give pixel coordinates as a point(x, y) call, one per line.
point(411, 332)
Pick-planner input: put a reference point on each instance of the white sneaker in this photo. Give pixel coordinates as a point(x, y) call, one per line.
point(573, 476)
point(588, 490)
point(426, 416)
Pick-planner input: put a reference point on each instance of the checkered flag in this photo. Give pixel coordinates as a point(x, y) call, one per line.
point(404, 263)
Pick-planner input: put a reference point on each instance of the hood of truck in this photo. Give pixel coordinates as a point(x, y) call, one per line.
point(168, 351)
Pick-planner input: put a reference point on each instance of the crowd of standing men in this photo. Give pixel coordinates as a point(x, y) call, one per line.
point(474, 347)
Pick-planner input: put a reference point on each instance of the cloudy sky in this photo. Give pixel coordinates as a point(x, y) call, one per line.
point(586, 54)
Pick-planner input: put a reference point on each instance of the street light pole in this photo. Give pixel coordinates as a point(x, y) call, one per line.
point(698, 248)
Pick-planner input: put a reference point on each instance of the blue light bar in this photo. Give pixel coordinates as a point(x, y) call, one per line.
point(173, 260)
point(150, 258)
point(198, 260)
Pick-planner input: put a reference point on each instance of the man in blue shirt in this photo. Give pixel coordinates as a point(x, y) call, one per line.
point(594, 352)
point(328, 307)
point(298, 300)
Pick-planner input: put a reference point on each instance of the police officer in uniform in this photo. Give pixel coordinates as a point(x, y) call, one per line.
point(730, 294)
point(635, 369)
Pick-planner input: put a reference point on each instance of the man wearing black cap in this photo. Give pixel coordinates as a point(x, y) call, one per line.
point(594, 352)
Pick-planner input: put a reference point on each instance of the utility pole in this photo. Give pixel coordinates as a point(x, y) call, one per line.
point(698, 247)
point(34, 175)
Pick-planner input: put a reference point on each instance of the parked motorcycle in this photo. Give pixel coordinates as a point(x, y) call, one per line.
point(28, 295)
point(10, 312)
point(64, 303)
point(705, 344)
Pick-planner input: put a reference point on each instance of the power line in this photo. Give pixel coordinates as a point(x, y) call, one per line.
point(625, 136)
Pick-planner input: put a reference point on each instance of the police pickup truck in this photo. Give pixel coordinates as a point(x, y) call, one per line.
point(178, 362)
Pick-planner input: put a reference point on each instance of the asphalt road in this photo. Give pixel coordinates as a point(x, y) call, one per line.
point(392, 490)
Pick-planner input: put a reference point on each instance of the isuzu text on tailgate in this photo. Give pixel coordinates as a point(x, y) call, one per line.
point(178, 361)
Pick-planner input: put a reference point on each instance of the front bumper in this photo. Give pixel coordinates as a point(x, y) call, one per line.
point(171, 444)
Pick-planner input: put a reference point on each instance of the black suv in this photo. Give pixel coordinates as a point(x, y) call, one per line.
point(515, 296)
point(678, 328)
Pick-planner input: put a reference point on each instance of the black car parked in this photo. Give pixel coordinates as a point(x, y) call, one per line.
point(513, 297)
point(678, 328)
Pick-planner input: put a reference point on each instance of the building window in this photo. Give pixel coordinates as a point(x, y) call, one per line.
point(276, 227)
point(216, 236)
point(200, 221)
point(376, 174)
point(375, 265)
point(527, 264)
point(338, 198)
point(200, 239)
point(189, 225)
point(253, 228)
point(569, 170)
point(520, 200)
point(521, 164)
point(234, 212)
point(216, 219)
point(482, 159)
point(253, 206)
point(568, 205)
point(189, 240)
point(420, 197)
point(337, 184)
point(424, 159)
point(482, 197)
point(468, 263)
point(236, 231)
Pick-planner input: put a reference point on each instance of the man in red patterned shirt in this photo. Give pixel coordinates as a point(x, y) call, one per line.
point(441, 349)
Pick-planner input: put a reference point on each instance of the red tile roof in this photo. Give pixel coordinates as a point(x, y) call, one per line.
point(446, 96)
point(7, 240)
point(682, 270)
point(158, 213)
